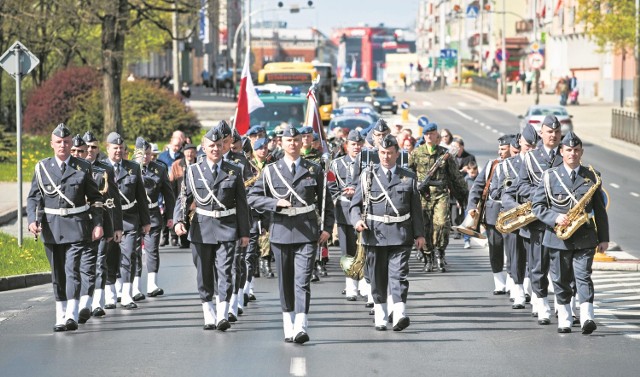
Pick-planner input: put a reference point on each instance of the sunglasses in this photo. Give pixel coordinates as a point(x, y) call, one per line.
point(92, 147)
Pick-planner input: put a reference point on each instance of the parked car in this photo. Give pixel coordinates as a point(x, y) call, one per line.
point(354, 90)
point(382, 101)
point(536, 113)
point(356, 108)
point(224, 78)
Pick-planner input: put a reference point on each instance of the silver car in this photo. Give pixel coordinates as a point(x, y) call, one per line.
point(536, 113)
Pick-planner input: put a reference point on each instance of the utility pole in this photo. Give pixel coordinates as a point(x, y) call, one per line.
point(247, 12)
point(535, 39)
point(442, 42)
point(481, 10)
point(175, 52)
point(637, 56)
point(460, 44)
point(503, 62)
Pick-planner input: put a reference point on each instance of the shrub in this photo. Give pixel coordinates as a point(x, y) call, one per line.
point(147, 111)
point(53, 102)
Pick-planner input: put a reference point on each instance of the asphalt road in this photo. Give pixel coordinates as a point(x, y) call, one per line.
point(457, 328)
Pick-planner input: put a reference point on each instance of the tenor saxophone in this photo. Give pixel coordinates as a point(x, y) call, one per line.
point(577, 215)
point(515, 218)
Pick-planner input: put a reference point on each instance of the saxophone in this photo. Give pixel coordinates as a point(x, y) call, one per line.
point(577, 215)
point(515, 218)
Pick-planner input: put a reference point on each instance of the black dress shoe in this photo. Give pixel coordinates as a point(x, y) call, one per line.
point(368, 305)
point(252, 297)
point(534, 314)
point(344, 291)
point(131, 305)
point(84, 315)
point(544, 321)
point(118, 299)
point(232, 318)
point(288, 340)
point(588, 327)
point(98, 312)
point(301, 338)
point(139, 297)
point(223, 325)
point(372, 312)
point(59, 328)
point(71, 325)
point(240, 311)
point(564, 330)
point(381, 328)
point(246, 299)
point(517, 306)
point(352, 298)
point(156, 292)
point(527, 298)
point(163, 241)
point(390, 318)
point(499, 292)
point(576, 320)
point(110, 306)
point(209, 327)
point(402, 324)
point(314, 277)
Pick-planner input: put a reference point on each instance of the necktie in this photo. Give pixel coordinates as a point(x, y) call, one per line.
point(117, 169)
point(63, 167)
point(552, 154)
point(573, 176)
point(144, 170)
point(293, 169)
point(214, 171)
point(388, 175)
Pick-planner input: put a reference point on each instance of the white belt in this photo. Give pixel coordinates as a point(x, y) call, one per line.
point(389, 219)
point(153, 205)
point(66, 211)
point(343, 198)
point(215, 213)
point(109, 203)
point(130, 205)
point(294, 211)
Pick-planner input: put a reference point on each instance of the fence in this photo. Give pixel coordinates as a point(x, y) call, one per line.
point(625, 125)
point(485, 86)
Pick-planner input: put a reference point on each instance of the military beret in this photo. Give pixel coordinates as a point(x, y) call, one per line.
point(389, 141)
point(369, 138)
point(224, 128)
point(355, 135)
point(504, 140)
point(430, 127)
point(530, 134)
point(290, 131)
point(316, 137)
point(61, 131)
point(571, 140)
point(188, 146)
point(246, 145)
point(260, 143)
point(115, 138)
point(141, 143)
point(423, 121)
point(515, 141)
point(306, 130)
point(78, 141)
point(551, 121)
point(236, 136)
point(214, 134)
point(381, 126)
point(254, 130)
point(271, 135)
point(89, 137)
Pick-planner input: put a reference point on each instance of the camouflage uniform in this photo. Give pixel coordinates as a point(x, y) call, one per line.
point(312, 155)
point(446, 179)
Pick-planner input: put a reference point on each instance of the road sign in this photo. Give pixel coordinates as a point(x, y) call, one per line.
point(28, 61)
point(446, 53)
point(536, 60)
point(499, 55)
point(472, 11)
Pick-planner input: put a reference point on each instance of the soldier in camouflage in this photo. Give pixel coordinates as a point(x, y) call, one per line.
point(446, 180)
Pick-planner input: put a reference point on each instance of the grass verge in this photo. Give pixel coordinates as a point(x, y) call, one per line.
point(28, 259)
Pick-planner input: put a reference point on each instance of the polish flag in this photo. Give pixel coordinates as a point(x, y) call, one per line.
point(248, 99)
point(558, 6)
point(312, 116)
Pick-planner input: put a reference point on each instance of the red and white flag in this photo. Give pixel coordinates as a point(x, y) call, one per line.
point(248, 99)
point(312, 117)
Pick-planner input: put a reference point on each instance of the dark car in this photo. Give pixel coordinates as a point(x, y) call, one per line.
point(350, 122)
point(382, 101)
point(224, 78)
point(351, 108)
point(354, 90)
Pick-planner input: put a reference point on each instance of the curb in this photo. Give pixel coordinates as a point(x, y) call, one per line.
point(24, 281)
point(10, 215)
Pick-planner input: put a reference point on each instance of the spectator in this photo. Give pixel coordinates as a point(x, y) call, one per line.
point(463, 157)
point(168, 157)
point(446, 137)
point(562, 89)
point(185, 91)
point(409, 144)
point(395, 131)
point(528, 79)
point(472, 173)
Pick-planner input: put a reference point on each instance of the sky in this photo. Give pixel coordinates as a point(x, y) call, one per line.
point(332, 14)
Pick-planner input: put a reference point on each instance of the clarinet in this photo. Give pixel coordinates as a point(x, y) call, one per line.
point(183, 199)
point(35, 235)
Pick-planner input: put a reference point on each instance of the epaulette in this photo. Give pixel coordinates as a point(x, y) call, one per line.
point(161, 163)
point(406, 172)
point(98, 169)
point(157, 166)
point(80, 164)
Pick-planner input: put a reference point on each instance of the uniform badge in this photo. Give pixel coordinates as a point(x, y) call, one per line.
point(237, 160)
point(130, 172)
point(587, 180)
point(231, 172)
point(78, 167)
point(155, 171)
point(311, 170)
point(49, 187)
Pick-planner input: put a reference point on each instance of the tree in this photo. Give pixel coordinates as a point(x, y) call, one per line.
point(610, 23)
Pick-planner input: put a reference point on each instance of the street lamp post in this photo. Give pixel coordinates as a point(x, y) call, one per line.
point(503, 62)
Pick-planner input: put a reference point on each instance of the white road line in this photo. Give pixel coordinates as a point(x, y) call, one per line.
point(3, 319)
point(635, 194)
point(614, 185)
point(39, 299)
point(462, 104)
point(494, 131)
point(427, 103)
point(487, 127)
point(482, 124)
point(298, 366)
point(465, 116)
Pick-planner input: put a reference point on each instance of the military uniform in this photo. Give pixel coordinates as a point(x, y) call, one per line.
point(560, 189)
point(65, 201)
point(294, 231)
point(391, 211)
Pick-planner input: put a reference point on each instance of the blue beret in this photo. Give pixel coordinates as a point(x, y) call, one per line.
point(389, 141)
point(61, 131)
point(305, 130)
point(115, 138)
point(141, 143)
point(530, 134)
point(260, 143)
point(316, 137)
point(224, 128)
point(214, 134)
point(430, 127)
point(423, 121)
point(381, 126)
point(355, 135)
point(290, 131)
point(551, 121)
point(515, 141)
point(571, 140)
point(89, 137)
point(254, 130)
point(78, 141)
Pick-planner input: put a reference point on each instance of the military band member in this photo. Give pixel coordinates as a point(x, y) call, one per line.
point(292, 188)
point(446, 180)
point(342, 168)
point(221, 219)
point(544, 157)
point(255, 133)
point(65, 206)
point(135, 216)
point(392, 224)
point(561, 189)
point(491, 211)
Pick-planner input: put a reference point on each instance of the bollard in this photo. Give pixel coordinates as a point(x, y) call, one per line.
point(405, 111)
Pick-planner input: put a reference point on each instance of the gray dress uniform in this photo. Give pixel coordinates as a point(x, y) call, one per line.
point(571, 259)
point(293, 231)
point(394, 220)
point(221, 218)
point(65, 201)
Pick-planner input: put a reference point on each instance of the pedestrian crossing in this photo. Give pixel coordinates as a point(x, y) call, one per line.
point(617, 301)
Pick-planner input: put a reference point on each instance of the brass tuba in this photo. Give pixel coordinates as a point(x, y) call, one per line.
point(353, 267)
point(577, 215)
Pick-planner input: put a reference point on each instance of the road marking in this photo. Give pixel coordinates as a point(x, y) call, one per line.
point(3, 319)
point(465, 116)
point(298, 366)
point(482, 124)
point(494, 131)
point(427, 103)
point(634, 194)
point(616, 294)
point(462, 104)
point(614, 185)
point(39, 299)
point(487, 127)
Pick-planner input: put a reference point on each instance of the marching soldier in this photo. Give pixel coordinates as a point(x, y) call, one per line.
point(563, 190)
point(156, 183)
point(544, 157)
point(342, 168)
point(135, 216)
point(255, 133)
point(445, 180)
point(386, 208)
point(221, 219)
point(292, 188)
point(307, 151)
point(501, 185)
point(492, 208)
point(65, 206)
point(112, 220)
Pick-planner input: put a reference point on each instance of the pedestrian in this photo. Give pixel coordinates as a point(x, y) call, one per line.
point(409, 145)
point(470, 177)
point(562, 89)
point(169, 156)
point(64, 205)
point(446, 138)
point(528, 80)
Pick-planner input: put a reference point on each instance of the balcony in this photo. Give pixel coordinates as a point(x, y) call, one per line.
point(524, 26)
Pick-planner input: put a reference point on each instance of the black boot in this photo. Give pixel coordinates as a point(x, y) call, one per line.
point(440, 258)
point(428, 261)
point(269, 271)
